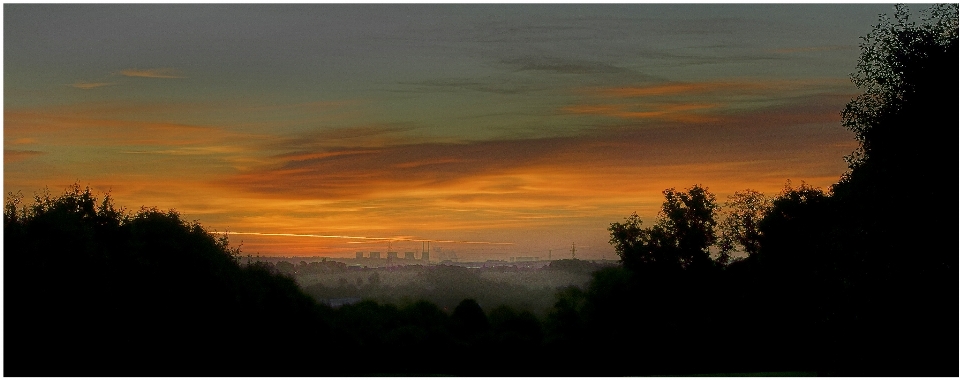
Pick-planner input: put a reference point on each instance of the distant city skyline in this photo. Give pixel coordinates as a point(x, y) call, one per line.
point(492, 130)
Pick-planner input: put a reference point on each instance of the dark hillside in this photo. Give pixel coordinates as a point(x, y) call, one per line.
point(91, 291)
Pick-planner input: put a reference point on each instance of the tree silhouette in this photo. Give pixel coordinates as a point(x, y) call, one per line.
point(739, 228)
point(680, 239)
point(909, 75)
point(895, 250)
point(101, 292)
point(468, 320)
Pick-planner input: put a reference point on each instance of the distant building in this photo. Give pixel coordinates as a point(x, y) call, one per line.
point(425, 256)
point(374, 255)
point(391, 255)
point(359, 255)
point(525, 258)
point(408, 256)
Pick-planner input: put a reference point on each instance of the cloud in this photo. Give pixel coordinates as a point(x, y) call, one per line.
point(671, 112)
point(391, 239)
point(563, 66)
point(62, 128)
point(22, 141)
point(501, 86)
point(189, 151)
point(799, 139)
point(373, 135)
point(677, 88)
point(377, 181)
point(89, 85)
point(725, 88)
point(152, 73)
point(11, 155)
point(696, 102)
point(808, 49)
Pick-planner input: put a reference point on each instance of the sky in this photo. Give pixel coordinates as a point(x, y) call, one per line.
point(490, 130)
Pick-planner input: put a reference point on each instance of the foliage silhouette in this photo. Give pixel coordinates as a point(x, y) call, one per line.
point(859, 280)
point(680, 239)
point(469, 321)
point(106, 293)
point(739, 228)
point(103, 292)
point(894, 250)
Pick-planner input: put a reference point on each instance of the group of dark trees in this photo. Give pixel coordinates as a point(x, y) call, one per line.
point(92, 290)
point(856, 280)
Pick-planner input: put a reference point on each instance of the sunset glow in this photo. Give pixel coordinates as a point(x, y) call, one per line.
point(491, 130)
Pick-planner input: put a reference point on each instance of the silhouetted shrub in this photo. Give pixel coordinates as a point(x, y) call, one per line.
point(101, 292)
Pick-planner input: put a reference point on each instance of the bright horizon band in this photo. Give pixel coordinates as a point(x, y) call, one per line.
point(361, 238)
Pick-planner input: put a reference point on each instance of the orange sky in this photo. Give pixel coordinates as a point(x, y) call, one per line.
point(492, 147)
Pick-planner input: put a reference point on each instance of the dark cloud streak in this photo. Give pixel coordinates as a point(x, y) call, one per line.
point(784, 133)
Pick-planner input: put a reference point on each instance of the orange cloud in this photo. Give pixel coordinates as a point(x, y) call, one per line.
point(89, 86)
point(513, 172)
point(391, 239)
point(734, 86)
point(670, 112)
point(64, 129)
point(152, 73)
point(22, 141)
point(384, 182)
point(10, 155)
point(681, 88)
point(700, 102)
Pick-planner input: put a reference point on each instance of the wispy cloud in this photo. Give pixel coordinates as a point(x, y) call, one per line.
point(563, 66)
point(728, 87)
point(696, 102)
point(675, 88)
point(65, 129)
point(672, 112)
point(549, 171)
point(21, 141)
point(89, 85)
point(189, 151)
point(500, 86)
point(374, 181)
point(152, 73)
point(391, 239)
point(11, 155)
point(372, 135)
point(808, 49)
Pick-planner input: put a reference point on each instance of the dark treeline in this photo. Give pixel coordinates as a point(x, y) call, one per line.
point(856, 280)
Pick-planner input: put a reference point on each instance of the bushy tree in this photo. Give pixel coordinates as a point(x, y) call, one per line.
point(740, 226)
point(856, 281)
point(680, 239)
point(102, 292)
point(908, 72)
point(894, 243)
